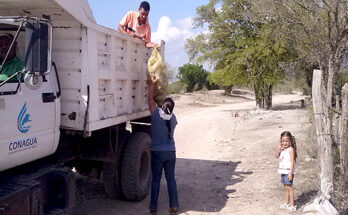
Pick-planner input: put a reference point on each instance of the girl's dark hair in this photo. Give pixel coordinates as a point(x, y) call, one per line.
point(292, 141)
point(168, 107)
point(145, 5)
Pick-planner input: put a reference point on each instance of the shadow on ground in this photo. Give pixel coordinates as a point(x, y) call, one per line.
point(240, 96)
point(203, 186)
point(286, 107)
point(305, 197)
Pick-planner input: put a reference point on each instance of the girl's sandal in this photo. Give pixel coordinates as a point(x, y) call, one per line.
point(284, 206)
point(291, 208)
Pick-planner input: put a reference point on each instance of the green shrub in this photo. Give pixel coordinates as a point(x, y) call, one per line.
point(193, 75)
point(177, 87)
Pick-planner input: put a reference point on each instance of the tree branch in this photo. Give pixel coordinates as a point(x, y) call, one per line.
point(326, 4)
point(303, 7)
point(335, 111)
point(329, 28)
point(336, 18)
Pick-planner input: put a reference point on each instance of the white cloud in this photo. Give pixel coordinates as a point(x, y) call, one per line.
point(175, 35)
point(170, 32)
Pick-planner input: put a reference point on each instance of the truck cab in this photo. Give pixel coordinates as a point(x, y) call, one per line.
point(31, 116)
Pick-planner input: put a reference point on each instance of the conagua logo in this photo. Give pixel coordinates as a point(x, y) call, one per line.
point(23, 120)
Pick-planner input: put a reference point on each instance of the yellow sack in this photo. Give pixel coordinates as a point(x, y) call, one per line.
point(158, 71)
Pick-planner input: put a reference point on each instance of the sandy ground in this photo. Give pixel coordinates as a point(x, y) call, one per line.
point(225, 158)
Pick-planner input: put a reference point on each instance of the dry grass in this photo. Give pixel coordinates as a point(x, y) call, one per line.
point(340, 186)
point(341, 195)
point(311, 147)
point(307, 173)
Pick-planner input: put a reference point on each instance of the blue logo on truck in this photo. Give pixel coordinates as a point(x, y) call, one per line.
point(23, 120)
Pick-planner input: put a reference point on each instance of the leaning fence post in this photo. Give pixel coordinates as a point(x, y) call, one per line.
point(344, 130)
point(322, 125)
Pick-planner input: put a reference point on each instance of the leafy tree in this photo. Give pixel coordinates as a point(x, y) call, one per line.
point(304, 71)
point(221, 78)
point(243, 52)
point(193, 75)
point(318, 30)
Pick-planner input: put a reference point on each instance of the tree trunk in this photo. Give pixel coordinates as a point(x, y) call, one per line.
point(309, 76)
point(228, 89)
point(268, 97)
point(333, 68)
point(332, 71)
point(336, 120)
point(343, 131)
point(263, 95)
point(258, 98)
point(323, 130)
point(262, 102)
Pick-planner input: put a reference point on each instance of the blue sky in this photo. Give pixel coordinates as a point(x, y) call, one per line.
point(169, 20)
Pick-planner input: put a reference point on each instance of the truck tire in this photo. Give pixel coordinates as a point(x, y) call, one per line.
point(136, 167)
point(111, 171)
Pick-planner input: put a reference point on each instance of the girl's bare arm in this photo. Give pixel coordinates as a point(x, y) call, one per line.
point(277, 153)
point(292, 157)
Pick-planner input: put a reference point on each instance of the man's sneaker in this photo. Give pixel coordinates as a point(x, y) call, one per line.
point(284, 206)
point(291, 208)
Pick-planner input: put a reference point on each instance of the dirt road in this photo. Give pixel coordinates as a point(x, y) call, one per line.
point(225, 159)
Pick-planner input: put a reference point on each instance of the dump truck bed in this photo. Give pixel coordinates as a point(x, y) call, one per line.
point(102, 72)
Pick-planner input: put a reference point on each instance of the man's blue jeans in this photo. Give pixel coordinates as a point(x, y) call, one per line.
point(163, 160)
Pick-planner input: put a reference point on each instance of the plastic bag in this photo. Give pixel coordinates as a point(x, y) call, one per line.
point(157, 69)
point(320, 207)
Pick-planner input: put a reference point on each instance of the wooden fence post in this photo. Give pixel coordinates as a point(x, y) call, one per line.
point(323, 130)
point(344, 130)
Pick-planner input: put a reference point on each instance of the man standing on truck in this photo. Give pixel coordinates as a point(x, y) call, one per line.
point(13, 63)
point(137, 25)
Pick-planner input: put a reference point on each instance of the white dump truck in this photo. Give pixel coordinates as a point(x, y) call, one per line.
point(70, 105)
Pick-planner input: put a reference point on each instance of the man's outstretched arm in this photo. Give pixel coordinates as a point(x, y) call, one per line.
point(151, 45)
point(121, 29)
